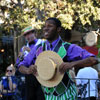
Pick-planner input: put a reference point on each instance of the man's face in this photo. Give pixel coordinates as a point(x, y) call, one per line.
point(30, 36)
point(50, 30)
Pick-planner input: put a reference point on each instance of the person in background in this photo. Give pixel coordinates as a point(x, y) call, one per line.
point(8, 84)
point(86, 79)
point(33, 88)
point(73, 56)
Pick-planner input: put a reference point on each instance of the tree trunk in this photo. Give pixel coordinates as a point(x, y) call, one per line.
point(15, 46)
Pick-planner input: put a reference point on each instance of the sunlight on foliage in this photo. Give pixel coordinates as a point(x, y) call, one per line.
point(22, 12)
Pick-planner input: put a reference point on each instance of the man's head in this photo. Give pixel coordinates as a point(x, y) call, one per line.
point(29, 33)
point(51, 28)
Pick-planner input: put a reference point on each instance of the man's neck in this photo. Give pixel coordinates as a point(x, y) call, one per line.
point(53, 39)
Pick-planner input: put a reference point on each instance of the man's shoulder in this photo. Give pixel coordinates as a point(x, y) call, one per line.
point(66, 43)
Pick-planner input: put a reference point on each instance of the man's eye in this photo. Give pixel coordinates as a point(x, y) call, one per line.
point(50, 25)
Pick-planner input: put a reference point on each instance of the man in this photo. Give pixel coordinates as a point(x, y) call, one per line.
point(86, 79)
point(33, 89)
point(74, 56)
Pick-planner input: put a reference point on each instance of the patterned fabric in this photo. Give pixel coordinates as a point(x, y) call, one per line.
point(69, 94)
point(74, 53)
point(66, 90)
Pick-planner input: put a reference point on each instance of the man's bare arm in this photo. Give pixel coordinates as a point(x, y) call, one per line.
point(86, 62)
point(30, 70)
point(80, 63)
point(24, 70)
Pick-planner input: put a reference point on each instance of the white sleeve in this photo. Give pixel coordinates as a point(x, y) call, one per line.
point(78, 80)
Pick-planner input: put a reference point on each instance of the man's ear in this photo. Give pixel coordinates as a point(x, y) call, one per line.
point(59, 29)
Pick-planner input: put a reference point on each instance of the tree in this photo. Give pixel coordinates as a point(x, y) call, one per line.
point(81, 15)
point(78, 13)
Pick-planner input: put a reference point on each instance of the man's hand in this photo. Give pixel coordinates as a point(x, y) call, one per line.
point(20, 54)
point(33, 69)
point(65, 66)
point(30, 70)
point(26, 49)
